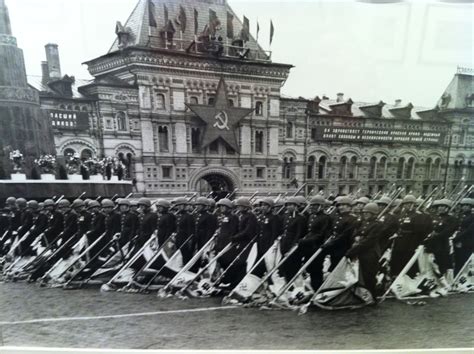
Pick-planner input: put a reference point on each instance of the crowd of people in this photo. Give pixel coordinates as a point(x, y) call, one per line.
point(243, 249)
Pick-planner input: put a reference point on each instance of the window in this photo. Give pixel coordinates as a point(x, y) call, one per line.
point(373, 168)
point(77, 108)
point(288, 168)
point(428, 169)
point(470, 171)
point(210, 101)
point(166, 171)
point(289, 130)
point(322, 167)
point(231, 102)
point(458, 168)
point(343, 168)
point(400, 168)
point(260, 172)
point(352, 168)
point(121, 121)
point(193, 100)
point(163, 138)
point(259, 142)
point(69, 152)
point(195, 139)
point(310, 168)
point(313, 134)
point(436, 169)
point(214, 147)
point(410, 168)
point(381, 168)
point(259, 108)
point(160, 101)
point(108, 123)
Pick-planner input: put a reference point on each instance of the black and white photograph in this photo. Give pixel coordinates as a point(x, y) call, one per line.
point(236, 175)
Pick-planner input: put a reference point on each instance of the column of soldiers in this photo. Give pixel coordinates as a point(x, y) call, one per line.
point(48, 232)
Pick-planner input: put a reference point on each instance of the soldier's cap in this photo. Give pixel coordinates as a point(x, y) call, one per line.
point(11, 200)
point(21, 202)
point(123, 201)
point(467, 201)
point(318, 200)
point(93, 204)
point(107, 203)
point(144, 201)
point(243, 202)
point(201, 201)
point(77, 203)
point(211, 202)
point(371, 208)
point(268, 201)
point(383, 200)
point(33, 204)
point(343, 201)
point(163, 203)
point(180, 201)
point(291, 200)
point(64, 203)
point(48, 203)
point(301, 200)
point(362, 200)
point(226, 202)
point(409, 198)
point(443, 202)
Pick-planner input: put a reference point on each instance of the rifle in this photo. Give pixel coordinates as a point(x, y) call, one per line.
point(389, 205)
point(460, 197)
point(253, 195)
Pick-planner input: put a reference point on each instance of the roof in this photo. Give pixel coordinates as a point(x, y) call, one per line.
point(456, 95)
point(36, 82)
point(138, 22)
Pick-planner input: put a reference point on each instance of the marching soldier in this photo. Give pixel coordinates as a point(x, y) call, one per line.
point(390, 223)
point(166, 221)
point(40, 223)
point(55, 223)
point(463, 242)
point(148, 223)
point(228, 226)
point(129, 223)
point(84, 218)
point(206, 223)
point(342, 231)
point(366, 247)
point(358, 206)
point(185, 227)
point(97, 222)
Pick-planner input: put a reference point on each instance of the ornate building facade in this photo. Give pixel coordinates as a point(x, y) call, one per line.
point(191, 102)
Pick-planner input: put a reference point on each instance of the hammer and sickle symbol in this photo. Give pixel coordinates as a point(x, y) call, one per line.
point(221, 120)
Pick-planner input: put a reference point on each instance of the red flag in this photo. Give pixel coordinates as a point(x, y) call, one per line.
point(272, 31)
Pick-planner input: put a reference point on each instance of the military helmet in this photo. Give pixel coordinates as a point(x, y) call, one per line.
point(467, 201)
point(226, 202)
point(371, 208)
point(384, 200)
point(33, 204)
point(107, 203)
point(21, 202)
point(211, 201)
point(419, 201)
point(279, 203)
point(362, 200)
point(64, 203)
point(343, 200)
point(257, 201)
point(134, 203)
point(291, 200)
point(48, 203)
point(11, 200)
point(123, 201)
point(93, 204)
point(409, 198)
point(317, 200)
point(144, 201)
point(180, 201)
point(78, 203)
point(243, 201)
point(268, 201)
point(163, 203)
point(40, 206)
point(201, 201)
point(444, 202)
point(301, 200)
point(87, 201)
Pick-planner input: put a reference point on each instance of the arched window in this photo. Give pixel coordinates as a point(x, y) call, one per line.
point(195, 139)
point(288, 168)
point(84, 108)
point(458, 168)
point(77, 108)
point(436, 169)
point(259, 142)
point(381, 168)
point(343, 168)
point(259, 108)
point(210, 101)
point(373, 167)
point(289, 130)
point(160, 101)
point(121, 121)
point(193, 100)
point(163, 138)
point(470, 171)
point(231, 102)
point(61, 106)
point(428, 168)
point(400, 167)
point(69, 152)
point(410, 168)
point(310, 167)
point(322, 167)
point(86, 154)
point(352, 168)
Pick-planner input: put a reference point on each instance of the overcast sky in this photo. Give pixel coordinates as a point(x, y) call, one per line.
point(407, 50)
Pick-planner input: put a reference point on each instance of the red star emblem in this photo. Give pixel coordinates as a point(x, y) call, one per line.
point(221, 119)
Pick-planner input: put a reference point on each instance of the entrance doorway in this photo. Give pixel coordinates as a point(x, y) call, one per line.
point(216, 183)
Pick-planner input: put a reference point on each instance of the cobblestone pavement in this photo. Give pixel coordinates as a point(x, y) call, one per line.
point(81, 321)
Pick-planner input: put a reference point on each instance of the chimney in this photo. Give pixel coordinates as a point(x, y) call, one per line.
point(45, 72)
point(52, 56)
point(398, 102)
point(340, 97)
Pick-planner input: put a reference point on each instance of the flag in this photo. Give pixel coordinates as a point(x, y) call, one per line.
point(246, 30)
point(181, 19)
point(196, 21)
point(151, 14)
point(272, 31)
point(230, 25)
point(258, 29)
point(165, 12)
point(214, 23)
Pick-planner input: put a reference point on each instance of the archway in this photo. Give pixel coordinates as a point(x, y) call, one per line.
point(220, 181)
